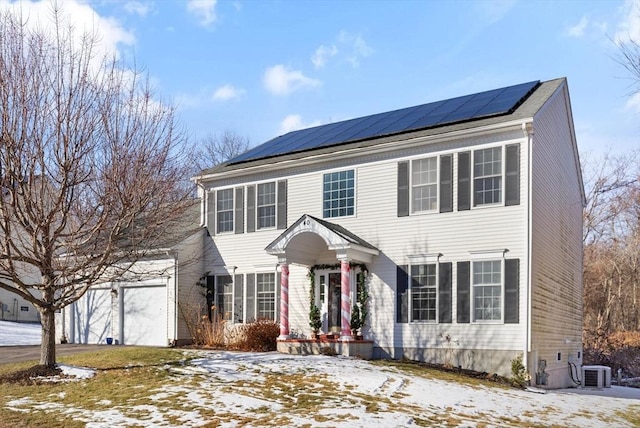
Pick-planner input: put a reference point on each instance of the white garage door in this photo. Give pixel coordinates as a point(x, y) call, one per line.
point(144, 318)
point(92, 317)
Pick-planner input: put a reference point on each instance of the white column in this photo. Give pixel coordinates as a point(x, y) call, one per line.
point(345, 299)
point(284, 301)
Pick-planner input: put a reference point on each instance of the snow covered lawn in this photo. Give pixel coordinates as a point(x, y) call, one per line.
point(231, 389)
point(17, 333)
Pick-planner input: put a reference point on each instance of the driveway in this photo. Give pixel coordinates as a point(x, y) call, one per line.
point(17, 354)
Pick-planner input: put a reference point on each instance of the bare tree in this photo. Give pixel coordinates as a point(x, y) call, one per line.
point(91, 167)
point(216, 149)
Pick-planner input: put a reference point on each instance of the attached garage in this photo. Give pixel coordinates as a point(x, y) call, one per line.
point(144, 315)
point(92, 317)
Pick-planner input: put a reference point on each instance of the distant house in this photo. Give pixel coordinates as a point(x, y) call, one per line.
point(462, 218)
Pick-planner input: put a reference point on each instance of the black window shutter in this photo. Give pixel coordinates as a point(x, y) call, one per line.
point(238, 284)
point(276, 300)
point(446, 183)
point(511, 291)
point(512, 180)
point(464, 181)
point(282, 204)
point(402, 294)
point(403, 189)
point(239, 210)
point(211, 294)
point(211, 212)
point(251, 209)
point(463, 290)
point(444, 293)
point(250, 310)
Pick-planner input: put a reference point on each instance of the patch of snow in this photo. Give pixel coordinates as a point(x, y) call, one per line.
point(77, 372)
point(20, 334)
point(240, 387)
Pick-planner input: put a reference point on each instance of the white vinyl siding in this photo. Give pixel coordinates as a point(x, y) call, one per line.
point(424, 185)
point(423, 292)
point(338, 194)
point(266, 205)
point(487, 290)
point(266, 296)
point(224, 210)
point(487, 176)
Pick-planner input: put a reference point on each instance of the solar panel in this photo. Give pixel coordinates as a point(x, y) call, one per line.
point(455, 110)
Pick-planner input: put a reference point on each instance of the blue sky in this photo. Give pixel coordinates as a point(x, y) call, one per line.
point(262, 68)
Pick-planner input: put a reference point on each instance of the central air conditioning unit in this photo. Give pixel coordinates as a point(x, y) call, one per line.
point(596, 376)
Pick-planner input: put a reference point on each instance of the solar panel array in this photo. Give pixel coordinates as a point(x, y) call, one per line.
point(455, 110)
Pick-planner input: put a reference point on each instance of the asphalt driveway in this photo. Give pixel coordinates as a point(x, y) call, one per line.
point(16, 354)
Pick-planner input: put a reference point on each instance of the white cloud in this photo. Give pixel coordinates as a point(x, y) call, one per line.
point(633, 103)
point(280, 80)
point(629, 27)
point(138, 7)
point(322, 54)
point(227, 92)
point(358, 47)
point(578, 29)
point(84, 18)
point(293, 122)
point(204, 10)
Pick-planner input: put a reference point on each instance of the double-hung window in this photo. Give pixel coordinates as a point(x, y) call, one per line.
point(266, 296)
point(424, 291)
point(424, 184)
point(266, 205)
point(224, 210)
point(487, 176)
point(487, 290)
point(224, 296)
point(338, 195)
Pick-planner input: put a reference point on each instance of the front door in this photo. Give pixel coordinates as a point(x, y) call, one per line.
point(335, 290)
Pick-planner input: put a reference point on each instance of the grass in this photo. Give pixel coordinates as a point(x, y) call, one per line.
point(148, 386)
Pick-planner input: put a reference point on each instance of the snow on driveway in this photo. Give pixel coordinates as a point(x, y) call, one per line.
point(17, 333)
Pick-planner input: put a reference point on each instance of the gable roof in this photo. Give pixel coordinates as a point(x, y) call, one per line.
point(485, 108)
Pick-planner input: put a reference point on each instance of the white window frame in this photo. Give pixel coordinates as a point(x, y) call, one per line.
point(257, 300)
point(324, 192)
point(221, 309)
point(225, 211)
point(413, 186)
point(436, 290)
point(274, 204)
point(475, 177)
point(475, 288)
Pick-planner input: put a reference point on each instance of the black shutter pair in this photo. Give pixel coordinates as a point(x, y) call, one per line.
point(281, 206)
point(511, 304)
point(446, 186)
point(444, 293)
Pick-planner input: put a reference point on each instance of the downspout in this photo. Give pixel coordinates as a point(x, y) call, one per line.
point(527, 129)
point(176, 309)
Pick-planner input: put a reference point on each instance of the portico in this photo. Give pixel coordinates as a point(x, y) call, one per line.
point(311, 241)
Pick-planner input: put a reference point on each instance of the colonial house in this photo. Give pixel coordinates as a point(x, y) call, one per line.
point(459, 221)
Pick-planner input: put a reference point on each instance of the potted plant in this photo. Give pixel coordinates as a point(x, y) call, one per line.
point(356, 321)
point(314, 320)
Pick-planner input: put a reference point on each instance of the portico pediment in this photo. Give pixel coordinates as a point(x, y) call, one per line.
point(306, 239)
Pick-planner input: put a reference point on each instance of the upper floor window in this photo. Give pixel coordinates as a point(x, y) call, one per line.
point(224, 210)
point(424, 184)
point(487, 176)
point(266, 205)
point(487, 290)
point(423, 290)
point(338, 198)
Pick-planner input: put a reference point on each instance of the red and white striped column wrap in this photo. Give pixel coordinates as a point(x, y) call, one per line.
point(345, 300)
point(284, 301)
